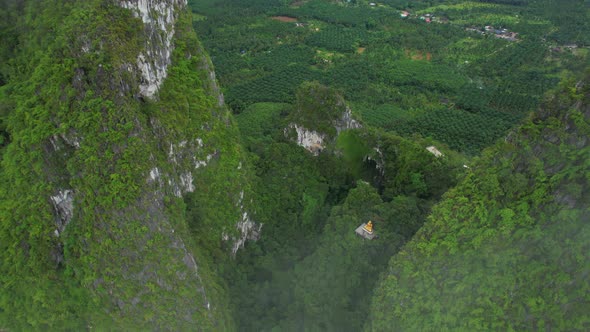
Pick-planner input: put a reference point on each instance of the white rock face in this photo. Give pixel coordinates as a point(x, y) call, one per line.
point(184, 185)
point(309, 139)
point(249, 229)
point(154, 174)
point(202, 163)
point(213, 79)
point(158, 17)
point(63, 204)
point(186, 182)
point(315, 141)
point(346, 122)
point(70, 140)
point(432, 149)
point(177, 153)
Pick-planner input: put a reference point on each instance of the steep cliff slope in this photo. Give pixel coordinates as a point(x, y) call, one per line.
point(508, 249)
point(121, 174)
point(321, 114)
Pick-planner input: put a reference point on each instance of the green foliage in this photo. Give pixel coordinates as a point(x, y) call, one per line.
point(318, 107)
point(331, 284)
point(260, 123)
point(387, 64)
point(464, 131)
point(338, 13)
point(278, 86)
point(41, 292)
point(293, 195)
point(310, 271)
point(282, 56)
point(74, 121)
point(354, 150)
point(505, 248)
point(338, 39)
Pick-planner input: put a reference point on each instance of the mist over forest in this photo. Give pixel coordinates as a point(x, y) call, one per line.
point(277, 165)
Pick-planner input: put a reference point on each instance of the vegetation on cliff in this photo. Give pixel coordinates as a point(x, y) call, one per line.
point(507, 249)
point(94, 232)
point(309, 270)
point(125, 210)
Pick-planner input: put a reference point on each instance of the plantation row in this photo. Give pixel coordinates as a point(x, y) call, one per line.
point(338, 39)
point(461, 130)
point(473, 99)
point(283, 56)
point(402, 71)
point(358, 16)
point(278, 86)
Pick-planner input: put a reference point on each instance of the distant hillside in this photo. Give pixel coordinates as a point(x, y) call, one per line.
point(509, 247)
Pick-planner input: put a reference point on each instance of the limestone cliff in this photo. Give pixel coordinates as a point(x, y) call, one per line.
point(158, 18)
point(320, 116)
point(122, 158)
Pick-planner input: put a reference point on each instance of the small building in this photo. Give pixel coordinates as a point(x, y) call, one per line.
point(366, 231)
point(404, 14)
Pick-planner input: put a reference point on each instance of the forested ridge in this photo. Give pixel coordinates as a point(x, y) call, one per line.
point(204, 165)
point(507, 249)
point(94, 232)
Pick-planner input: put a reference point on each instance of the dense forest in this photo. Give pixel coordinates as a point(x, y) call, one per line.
point(449, 82)
point(95, 230)
point(507, 248)
point(204, 166)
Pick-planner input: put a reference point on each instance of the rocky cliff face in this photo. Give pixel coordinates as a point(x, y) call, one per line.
point(310, 140)
point(314, 135)
point(159, 18)
point(132, 135)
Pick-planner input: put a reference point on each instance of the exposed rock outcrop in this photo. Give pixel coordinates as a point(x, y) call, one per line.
point(321, 114)
point(311, 140)
point(314, 141)
point(63, 203)
point(159, 18)
point(248, 229)
point(346, 121)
